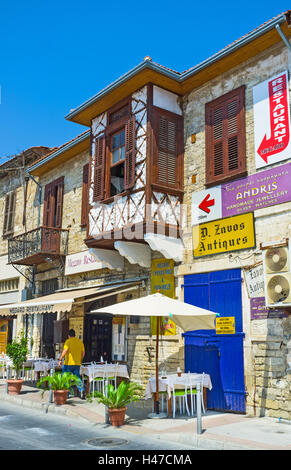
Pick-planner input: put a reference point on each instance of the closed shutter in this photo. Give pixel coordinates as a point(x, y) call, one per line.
point(59, 193)
point(130, 137)
point(9, 213)
point(168, 149)
point(225, 136)
point(47, 220)
point(99, 169)
point(84, 210)
point(53, 203)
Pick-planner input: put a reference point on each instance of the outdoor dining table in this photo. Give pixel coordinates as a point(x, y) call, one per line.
point(93, 371)
point(165, 385)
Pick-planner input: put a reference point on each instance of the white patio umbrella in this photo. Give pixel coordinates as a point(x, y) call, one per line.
point(187, 317)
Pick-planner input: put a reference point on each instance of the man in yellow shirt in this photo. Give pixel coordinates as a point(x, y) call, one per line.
point(73, 353)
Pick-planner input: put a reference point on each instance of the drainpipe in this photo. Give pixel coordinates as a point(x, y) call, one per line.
point(287, 44)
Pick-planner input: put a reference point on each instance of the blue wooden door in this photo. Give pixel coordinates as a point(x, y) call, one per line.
point(219, 355)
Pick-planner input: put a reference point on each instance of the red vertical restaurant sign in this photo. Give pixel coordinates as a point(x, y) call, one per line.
point(271, 120)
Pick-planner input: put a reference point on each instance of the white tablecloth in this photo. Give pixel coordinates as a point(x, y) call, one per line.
point(39, 365)
point(165, 384)
point(97, 370)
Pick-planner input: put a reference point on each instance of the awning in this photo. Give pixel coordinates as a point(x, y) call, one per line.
point(60, 301)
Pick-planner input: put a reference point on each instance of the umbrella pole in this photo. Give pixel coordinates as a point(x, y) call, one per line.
point(157, 403)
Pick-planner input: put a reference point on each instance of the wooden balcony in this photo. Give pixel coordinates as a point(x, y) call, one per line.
point(38, 246)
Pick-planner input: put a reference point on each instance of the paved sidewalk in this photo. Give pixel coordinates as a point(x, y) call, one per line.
point(220, 431)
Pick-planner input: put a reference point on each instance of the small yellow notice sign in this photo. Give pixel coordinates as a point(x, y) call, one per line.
point(163, 281)
point(222, 235)
point(225, 325)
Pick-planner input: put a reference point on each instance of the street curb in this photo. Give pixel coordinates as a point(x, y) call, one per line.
point(195, 441)
point(45, 407)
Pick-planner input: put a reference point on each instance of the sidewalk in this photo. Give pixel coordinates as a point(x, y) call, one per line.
point(221, 431)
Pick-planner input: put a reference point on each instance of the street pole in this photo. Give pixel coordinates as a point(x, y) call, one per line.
point(107, 421)
point(199, 419)
point(51, 392)
point(7, 376)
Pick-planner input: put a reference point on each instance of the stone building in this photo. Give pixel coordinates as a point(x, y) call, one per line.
point(190, 168)
point(14, 188)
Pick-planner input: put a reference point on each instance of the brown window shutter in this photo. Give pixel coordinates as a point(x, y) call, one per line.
point(225, 136)
point(85, 195)
point(130, 142)
point(58, 194)
point(9, 213)
point(168, 164)
point(99, 169)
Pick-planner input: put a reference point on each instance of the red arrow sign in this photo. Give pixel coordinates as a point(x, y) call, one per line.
point(279, 119)
point(206, 203)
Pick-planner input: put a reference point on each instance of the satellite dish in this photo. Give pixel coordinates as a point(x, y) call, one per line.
point(278, 288)
point(276, 259)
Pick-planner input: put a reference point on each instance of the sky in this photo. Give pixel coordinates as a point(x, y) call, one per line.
point(55, 55)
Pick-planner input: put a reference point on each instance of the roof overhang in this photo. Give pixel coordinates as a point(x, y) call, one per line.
point(61, 155)
point(147, 71)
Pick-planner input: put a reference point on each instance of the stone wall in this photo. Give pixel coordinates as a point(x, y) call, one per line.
point(266, 377)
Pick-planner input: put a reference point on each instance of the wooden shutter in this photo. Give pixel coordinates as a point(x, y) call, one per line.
point(225, 136)
point(85, 195)
point(53, 203)
point(47, 220)
point(9, 213)
point(130, 142)
point(58, 194)
point(168, 149)
point(99, 169)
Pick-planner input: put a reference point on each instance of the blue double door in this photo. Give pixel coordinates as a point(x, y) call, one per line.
point(219, 355)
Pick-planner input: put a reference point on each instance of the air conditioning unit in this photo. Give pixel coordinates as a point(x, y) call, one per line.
point(277, 275)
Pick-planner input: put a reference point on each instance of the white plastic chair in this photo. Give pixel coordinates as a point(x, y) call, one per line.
point(194, 395)
point(179, 389)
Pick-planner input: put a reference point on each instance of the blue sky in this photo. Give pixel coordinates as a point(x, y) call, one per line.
point(55, 55)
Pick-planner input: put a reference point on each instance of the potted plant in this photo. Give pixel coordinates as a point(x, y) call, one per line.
point(117, 399)
point(60, 384)
point(17, 351)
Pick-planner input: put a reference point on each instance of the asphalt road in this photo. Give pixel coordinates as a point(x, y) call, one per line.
point(30, 429)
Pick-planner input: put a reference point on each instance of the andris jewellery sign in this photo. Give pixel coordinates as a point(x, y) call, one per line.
point(271, 120)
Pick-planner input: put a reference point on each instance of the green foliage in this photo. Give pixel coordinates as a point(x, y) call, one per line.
point(59, 381)
point(17, 350)
point(118, 397)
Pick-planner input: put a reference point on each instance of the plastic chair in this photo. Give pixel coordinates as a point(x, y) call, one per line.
point(162, 395)
point(194, 395)
point(181, 393)
point(112, 379)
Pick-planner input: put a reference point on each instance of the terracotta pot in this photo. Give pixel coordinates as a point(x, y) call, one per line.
point(14, 386)
point(117, 416)
point(60, 396)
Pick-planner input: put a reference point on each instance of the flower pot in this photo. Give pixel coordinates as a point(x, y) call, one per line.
point(117, 416)
point(60, 396)
point(14, 386)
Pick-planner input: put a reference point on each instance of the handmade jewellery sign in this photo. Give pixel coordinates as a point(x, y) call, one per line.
point(271, 120)
point(264, 189)
point(220, 236)
point(259, 311)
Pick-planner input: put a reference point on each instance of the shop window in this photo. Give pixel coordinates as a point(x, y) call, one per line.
point(49, 286)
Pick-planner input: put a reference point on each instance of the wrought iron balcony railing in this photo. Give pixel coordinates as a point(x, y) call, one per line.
point(35, 246)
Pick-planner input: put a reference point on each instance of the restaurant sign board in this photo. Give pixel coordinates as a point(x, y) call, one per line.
point(271, 120)
point(81, 262)
point(223, 235)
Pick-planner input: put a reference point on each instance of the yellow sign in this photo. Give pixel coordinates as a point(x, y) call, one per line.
point(76, 323)
point(219, 236)
point(162, 280)
point(225, 325)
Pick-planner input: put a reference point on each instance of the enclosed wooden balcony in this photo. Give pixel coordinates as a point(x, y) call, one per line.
point(38, 246)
